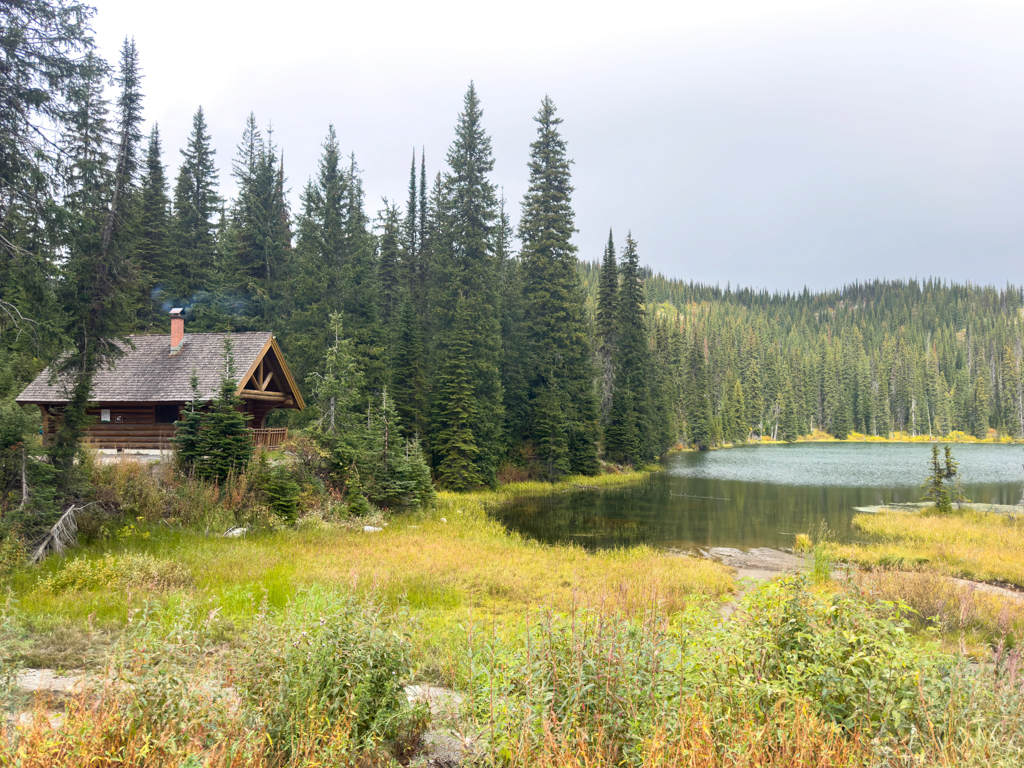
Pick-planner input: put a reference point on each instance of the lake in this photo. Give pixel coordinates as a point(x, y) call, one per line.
point(759, 495)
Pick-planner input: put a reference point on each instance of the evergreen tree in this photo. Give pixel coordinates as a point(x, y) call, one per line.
point(408, 374)
point(256, 242)
point(515, 366)
point(195, 204)
point(563, 418)
point(607, 318)
point(152, 249)
point(936, 492)
point(97, 293)
point(394, 472)
point(389, 263)
point(455, 441)
point(699, 411)
point(465, 310)
point(627, 438)
point(980, 409)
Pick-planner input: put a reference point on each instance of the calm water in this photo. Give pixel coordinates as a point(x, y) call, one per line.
point(759, 496)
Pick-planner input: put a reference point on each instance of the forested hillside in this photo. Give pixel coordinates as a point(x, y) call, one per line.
point(917, 357)
point(496, 345)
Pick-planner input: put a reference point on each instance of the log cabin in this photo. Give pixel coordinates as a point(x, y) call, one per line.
point(136, 401)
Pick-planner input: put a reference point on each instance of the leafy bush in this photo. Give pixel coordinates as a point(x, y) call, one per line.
point(332, 663)
point(130, 488)
point(7, 665)
point(613, 683)
point(138, 571)
point(12, 551)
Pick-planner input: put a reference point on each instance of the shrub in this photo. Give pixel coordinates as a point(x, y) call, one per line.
point(138, 571)
point(12, 551)
point(279, 487)
point(129, 488)
point(332, 662)
point(611, 685)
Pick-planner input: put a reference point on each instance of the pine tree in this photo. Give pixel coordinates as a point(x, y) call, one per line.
point(936, 491)
point(607, 318)
point(408, 374)
point(982, 400)
point(195, 204)
point(98, 290)
point(465, 309)
point(455, 441)
point(563, 408)
point(389, 263)
point(627, 438)
point(227, 443)
point(152, 248)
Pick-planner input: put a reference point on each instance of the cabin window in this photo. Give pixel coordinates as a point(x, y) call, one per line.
point(166, 414)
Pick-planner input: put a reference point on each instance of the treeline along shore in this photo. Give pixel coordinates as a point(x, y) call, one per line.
point(497, 346)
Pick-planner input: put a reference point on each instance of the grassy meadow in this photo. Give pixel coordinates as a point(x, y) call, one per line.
point(291, 645)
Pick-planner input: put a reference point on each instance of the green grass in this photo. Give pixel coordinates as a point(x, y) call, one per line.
point(446, 565)
point(981, 546)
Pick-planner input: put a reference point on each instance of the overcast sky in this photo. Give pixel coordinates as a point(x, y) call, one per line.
point(769, 143)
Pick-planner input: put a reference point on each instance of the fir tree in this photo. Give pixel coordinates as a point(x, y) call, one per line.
point(936, 491)
point(195, 204)
point(389, 263)
point(464, 308)
point(564, 411)
point(408, 374)
point(455, 442)
point(980, 407)
point(97, 293)
point(627, 438)
point(152, 248)
point(607, 318)
point(699, 410)
point(226, 442)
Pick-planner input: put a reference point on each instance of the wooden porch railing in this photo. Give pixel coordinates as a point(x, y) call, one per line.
point(269, 437)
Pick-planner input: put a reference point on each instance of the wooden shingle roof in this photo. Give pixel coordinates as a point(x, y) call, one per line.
point(149, 373)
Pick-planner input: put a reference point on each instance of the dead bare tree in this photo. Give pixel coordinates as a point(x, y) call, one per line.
point(60, 537)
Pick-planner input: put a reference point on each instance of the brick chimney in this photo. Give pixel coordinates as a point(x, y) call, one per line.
point(177, 331)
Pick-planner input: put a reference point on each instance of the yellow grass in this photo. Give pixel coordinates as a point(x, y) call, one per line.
point(448, 566)
point(974, 545)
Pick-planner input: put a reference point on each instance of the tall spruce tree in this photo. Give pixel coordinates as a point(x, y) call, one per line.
point(465, 310)
point(152, 248)
point(98, 290)
point(514, 363)
point(607, 318)
point(389, 265)
point(196, 203)
point(255, 244)
point(627, 438)
point(563, 407)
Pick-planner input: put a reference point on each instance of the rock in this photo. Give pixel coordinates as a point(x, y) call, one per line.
point(371, 529)
point(441, 747)
point(46, 680)
point(444, 520)
point(234, 533)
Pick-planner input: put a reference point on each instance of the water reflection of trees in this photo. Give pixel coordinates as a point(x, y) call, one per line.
point(688, 512)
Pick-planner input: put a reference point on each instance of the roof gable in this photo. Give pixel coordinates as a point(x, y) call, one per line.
point(148, 372)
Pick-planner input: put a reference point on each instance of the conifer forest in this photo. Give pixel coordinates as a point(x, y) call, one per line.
point(498, 344)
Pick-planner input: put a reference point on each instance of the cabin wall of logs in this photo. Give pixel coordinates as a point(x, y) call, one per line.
point(134, 426)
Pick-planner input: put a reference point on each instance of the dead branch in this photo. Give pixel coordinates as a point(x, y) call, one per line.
point(59, 538)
